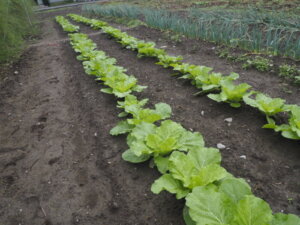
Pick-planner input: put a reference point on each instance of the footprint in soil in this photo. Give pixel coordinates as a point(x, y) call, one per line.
point(39, 127)
point(53, 79)
point(11, 158)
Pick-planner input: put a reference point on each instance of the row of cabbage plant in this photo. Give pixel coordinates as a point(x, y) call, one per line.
point(189, 169)
point(220, 87)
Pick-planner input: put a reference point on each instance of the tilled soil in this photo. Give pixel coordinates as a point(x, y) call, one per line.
point(270, 158)
point(60, 166)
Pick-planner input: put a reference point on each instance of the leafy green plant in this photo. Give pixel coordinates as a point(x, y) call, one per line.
point(199, 167)
point(213, 81)
point(148, 49)
point(290, 130)
point(267, 105)
point(168, 61)
point(140, 115)
point(231, 93)
point(297, 80)
point(290, 72)
point(230, 203)
point(146, 140)
point(66, 25)
point(260, 63)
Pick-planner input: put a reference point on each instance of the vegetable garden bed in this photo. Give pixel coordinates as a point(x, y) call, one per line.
point(130, 155)
point(61, 165)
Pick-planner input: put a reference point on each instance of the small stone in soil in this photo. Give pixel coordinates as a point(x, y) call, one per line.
point(221, 146)
point(114, 207)
point(228, 120)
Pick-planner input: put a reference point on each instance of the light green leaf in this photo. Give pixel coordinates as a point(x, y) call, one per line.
point(140, 148)
point(189, 141)
point(290, 135)
point(129, 156)
point(186, 216)
point(181, 167)
point(215, 97)
point(121, 128)
point(285, 219)
point(165, 138)
point(168, 183)
point(207, 206)
point(252, 211)
point(142, 130)
point(207, 175)
point(235, 188)
point(122, 114)
point(107, 90)
point(161, 145)
point(163, 109)
point(204, 156)
point(162, 163)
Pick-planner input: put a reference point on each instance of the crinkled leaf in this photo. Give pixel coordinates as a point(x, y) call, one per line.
point(165, 138)
point(181, 167)
point(207, 175)
point(141, 131)
point(193, 170)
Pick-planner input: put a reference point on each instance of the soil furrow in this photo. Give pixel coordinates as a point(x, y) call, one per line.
point(271, 165)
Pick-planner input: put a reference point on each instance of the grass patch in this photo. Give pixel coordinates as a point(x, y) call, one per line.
point(17, 24)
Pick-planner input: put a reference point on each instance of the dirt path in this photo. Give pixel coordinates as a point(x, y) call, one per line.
point(60, 166)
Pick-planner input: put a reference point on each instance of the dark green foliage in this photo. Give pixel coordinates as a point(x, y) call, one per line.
point(15, 24)
point(251, 29)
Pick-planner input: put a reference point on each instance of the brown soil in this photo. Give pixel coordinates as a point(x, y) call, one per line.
point(60, 166)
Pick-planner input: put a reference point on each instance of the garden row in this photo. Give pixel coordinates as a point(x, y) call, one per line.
point(213, 21)
point(189, 169)
point(210, 82)
point(66, 25)
point(251, 29)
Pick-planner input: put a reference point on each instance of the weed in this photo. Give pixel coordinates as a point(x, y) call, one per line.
point(288, 71)
point(260, 63)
